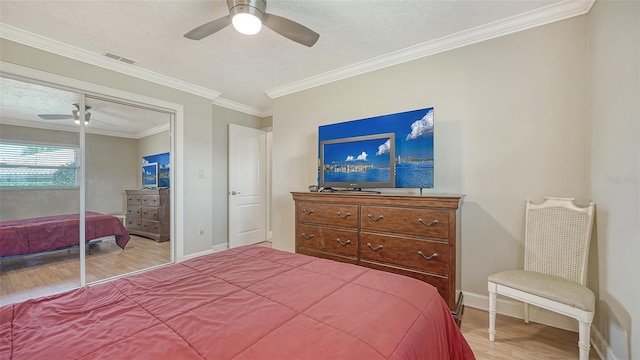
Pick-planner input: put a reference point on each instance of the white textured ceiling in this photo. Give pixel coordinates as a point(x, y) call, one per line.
point(241, 68)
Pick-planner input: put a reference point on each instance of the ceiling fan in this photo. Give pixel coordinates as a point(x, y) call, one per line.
point(247, 16)
point(75, 115)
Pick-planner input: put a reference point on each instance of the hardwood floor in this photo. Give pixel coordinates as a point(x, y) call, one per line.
point(516, 340)
point(32, 276)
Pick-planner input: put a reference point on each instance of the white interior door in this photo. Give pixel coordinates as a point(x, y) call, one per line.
point(247, 189)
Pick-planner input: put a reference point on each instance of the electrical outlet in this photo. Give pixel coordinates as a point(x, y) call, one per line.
point(200, 229)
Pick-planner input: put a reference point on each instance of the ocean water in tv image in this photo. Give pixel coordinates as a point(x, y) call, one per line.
point(371, 175)
point(414, 174)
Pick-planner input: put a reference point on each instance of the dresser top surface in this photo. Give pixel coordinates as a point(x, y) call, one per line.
point(446, 201)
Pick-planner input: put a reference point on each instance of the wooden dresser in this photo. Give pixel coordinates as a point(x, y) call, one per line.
point(148, 213)
point(417, 236)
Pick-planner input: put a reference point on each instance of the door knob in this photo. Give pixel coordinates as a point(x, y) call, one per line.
point(235, 193)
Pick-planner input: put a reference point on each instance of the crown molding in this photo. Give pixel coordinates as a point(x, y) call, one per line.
point(241, 107)
point(551, 13)
point(154, 130)
point(56, 47)
point(542, 16)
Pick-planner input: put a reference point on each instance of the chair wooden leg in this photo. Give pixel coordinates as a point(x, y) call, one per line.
point(526, 312)
point(584, 342)
point(492, 311)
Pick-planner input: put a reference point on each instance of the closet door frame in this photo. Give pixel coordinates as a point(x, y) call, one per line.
point(84, 88)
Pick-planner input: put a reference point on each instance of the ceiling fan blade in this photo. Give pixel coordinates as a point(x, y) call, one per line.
point(55, 116)
point(209, 28)
point(291, 29)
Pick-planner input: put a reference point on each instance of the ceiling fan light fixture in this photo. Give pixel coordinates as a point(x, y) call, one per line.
point(246, 15)
point(246, 23)
point(77, 121)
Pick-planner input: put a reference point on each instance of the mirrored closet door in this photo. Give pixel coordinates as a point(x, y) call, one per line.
point(128, 177)
point(67, 163)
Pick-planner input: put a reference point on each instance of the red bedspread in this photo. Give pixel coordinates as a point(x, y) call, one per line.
point(246, 303)
point(30, 236)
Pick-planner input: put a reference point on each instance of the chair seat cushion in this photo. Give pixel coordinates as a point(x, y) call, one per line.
point(547, 286)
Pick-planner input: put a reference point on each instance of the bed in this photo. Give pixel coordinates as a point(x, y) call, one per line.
point(37, 235)
point(251, 302)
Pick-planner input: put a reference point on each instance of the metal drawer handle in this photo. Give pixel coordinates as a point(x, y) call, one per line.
point(304, 235)
point(427, 257)
point(345, 215)
point(375, 218)
point(343, 243)
point(374, 248)
point(434, 222)
point(308, 212)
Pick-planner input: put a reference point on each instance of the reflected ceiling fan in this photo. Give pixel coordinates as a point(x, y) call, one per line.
point(75, 115)
point(247, 16)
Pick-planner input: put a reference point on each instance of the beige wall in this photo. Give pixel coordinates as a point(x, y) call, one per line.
point(613, 107)
point(111, 168)
point(510, 125)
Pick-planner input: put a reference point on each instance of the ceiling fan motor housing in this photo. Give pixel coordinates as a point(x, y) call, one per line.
point(254, 7)
point(87, 114)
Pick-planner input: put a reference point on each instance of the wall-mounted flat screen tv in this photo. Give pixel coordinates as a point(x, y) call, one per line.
point(394, 150)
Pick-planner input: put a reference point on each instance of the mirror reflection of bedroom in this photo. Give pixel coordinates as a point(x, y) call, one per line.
point(122, 192)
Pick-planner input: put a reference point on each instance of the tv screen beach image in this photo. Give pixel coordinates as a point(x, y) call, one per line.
point(343, 158)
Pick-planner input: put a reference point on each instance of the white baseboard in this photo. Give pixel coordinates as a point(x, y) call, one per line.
point(600, 345)
point(515, 309)
point(214, 249)
point(219, 247)
point(194, 255)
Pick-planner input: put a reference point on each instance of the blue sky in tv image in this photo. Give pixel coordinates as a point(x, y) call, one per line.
point(366, 160)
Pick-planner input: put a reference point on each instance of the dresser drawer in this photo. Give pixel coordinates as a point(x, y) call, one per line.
point(338, 241)
point(149, 213)
point(134, 211)
point(134, 199)
point(428, 256)
point(439, 282)
point(151, 226)
point(149, 200)
point(326, 213)
point(413, 221)
point(133, 223)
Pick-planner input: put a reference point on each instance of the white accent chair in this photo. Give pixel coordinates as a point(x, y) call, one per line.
point(557, 237)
